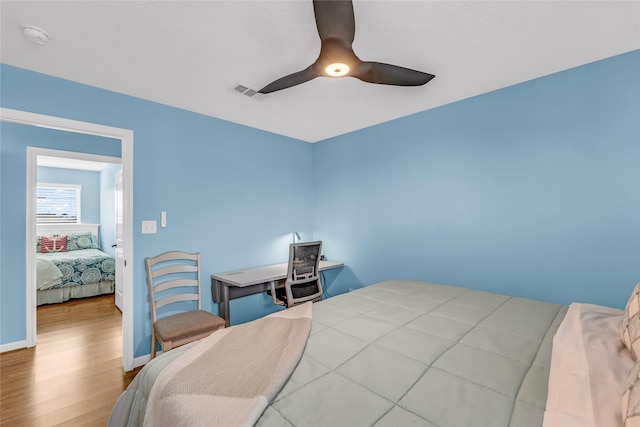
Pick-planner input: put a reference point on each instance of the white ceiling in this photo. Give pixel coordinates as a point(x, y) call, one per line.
point(191, 54)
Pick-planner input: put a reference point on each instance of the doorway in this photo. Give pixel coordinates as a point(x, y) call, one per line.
point(80, 193)
point(126, 140)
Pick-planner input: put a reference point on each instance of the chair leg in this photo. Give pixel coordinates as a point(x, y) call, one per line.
point(153, 345)
point(276, 301)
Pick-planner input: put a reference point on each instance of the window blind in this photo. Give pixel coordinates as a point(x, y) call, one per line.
point(58, 204)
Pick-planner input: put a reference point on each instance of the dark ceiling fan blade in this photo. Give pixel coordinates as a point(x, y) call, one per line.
point(335, 19)
point(290, 80)
point(387, 74)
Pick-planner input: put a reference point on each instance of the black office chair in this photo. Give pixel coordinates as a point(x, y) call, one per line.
point(302, 283)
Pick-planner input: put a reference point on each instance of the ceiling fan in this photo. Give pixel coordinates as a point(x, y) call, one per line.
point(336, 28)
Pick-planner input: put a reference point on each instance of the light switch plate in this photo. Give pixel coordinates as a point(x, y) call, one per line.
point(149, 227)
point(163, 219)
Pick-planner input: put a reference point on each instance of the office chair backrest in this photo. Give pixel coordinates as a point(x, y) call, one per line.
point(303, 275)
point(172, 270)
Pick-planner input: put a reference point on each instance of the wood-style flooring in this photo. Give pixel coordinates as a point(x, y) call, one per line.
point(73, 376)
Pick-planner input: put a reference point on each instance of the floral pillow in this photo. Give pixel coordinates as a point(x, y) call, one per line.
point(53, 244)
point(81, 241)
point(630, 326)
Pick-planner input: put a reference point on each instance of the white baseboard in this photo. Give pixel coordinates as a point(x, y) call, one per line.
point(13, 346)
point(142, 360)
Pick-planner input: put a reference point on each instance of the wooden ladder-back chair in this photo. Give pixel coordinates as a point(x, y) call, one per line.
point(174, 281)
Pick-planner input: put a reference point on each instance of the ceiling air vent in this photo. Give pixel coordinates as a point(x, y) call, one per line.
point(245, 90)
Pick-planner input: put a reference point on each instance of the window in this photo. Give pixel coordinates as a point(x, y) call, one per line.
point(58, 203)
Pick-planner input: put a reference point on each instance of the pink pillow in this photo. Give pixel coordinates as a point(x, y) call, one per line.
point(53, 244)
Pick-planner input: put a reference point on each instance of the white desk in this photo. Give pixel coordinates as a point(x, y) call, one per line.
point(240, 283)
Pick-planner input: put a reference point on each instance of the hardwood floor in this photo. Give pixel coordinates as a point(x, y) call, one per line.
point(73, 376)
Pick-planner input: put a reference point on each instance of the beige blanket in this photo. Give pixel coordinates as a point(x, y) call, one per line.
point(589, 366)
point(229, 378)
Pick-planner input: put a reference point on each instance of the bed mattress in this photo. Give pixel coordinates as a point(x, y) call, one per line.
point(406, 353)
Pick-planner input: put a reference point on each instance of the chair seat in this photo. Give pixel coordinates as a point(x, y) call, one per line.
point(298, 291)
point(186, 324)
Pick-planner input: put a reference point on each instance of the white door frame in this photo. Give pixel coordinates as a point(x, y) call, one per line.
point(126, 138)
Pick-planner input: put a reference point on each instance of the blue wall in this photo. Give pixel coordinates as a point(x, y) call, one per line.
point(231, 192)
point(89, 191)
point(533, 190)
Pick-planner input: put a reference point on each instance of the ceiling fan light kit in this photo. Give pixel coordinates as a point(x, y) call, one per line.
point(336, 27)
point(337, 69)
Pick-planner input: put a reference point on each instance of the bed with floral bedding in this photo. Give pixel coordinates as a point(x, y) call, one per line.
point(72, 266)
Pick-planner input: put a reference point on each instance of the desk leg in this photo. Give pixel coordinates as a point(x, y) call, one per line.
point(224, 303)
point(220, 295)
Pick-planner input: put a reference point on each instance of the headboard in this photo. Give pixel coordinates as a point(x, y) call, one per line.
point(62, 229)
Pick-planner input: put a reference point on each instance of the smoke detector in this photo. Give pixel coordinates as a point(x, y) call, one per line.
point(36, 35)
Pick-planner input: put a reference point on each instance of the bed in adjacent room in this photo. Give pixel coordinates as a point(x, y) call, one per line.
point(70, 264)
point(398, 353)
